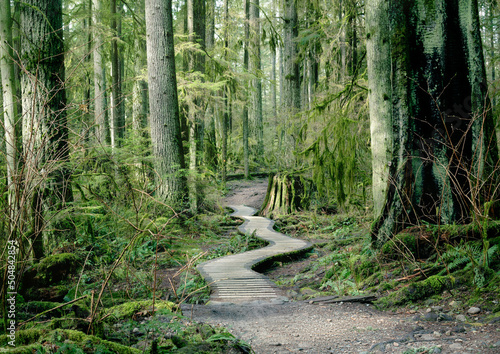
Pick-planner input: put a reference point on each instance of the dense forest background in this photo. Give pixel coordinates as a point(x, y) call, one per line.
point(122, 122)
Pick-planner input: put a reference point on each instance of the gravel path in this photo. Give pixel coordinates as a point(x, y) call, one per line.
point(297, 327)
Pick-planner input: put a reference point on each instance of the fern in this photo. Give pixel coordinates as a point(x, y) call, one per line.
point(470, 256)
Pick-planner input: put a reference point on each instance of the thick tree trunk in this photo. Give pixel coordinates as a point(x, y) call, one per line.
point(163, 103)
point(285, 194)
point(433, 143)
point(99, 77)
point(45, 132)
point(9, 108)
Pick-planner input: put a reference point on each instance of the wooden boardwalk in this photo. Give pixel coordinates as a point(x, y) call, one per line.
point(232, 278)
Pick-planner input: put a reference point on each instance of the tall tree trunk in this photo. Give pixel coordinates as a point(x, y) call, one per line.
point(291, 87)
point(245, 128)
point(115, 120)
point(139, 89)
point(433, 142)
point(99, 76)
point(196, 31)
point(210, 143)
point(291, 75)
point(225, 97)
point(255, 68)
point(9, 108)
point(163, 102)
point(492, 47)
point(86, 116)
point(45, 132)
point(272, 75)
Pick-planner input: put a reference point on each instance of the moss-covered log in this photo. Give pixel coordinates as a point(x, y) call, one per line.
point(433, 143)
point(285, 194)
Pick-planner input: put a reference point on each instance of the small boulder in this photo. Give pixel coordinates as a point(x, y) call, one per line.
point(474, 310)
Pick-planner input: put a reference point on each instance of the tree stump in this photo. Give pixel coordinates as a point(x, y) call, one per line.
point(286, 194)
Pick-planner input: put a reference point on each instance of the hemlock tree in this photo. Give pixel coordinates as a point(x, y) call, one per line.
point(163, 103)
point(45, 132)
point(433, 141)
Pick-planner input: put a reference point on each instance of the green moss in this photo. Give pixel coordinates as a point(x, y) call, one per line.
point(51, 270)
point(362, 266)
point(129, 309)
point(417, 291)
point(85, 340)
point(23, 337)
point(401, 243)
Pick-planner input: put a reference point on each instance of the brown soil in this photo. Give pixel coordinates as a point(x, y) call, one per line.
point(298, 326)
point(250, 193)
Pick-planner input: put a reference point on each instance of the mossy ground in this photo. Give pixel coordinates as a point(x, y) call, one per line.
point(163, 267)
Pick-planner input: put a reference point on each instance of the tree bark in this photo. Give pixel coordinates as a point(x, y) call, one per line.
point(45, 132)
point(245, 128)
point(9, 108)
point(255, 68)
point(434, 148)
point(225, 97)
point(291, 87)
point(163, 103)
point(196, 32)
point(210, 143)
point(99, 77)
point(272, 75)
point(115, 121)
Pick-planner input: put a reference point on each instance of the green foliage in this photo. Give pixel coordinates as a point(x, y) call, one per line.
point(472, 257)
point(417, 291)
point(193, 289)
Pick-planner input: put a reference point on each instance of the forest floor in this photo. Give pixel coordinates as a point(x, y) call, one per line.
point(292, 326)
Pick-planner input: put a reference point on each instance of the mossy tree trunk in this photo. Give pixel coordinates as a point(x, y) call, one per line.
point(285, 194)
point(163, 103)
point(433, 143)
point(196, 32)
point(45, 131)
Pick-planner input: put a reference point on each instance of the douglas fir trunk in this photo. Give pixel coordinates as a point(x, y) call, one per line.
point(433, 142)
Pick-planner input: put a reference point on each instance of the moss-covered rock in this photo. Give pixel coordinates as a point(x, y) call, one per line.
point(51, 270)
point(413, 242)
point(417, 291)
point(138, 308)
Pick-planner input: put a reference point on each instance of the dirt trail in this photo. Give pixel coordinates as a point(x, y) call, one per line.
point(299, 327)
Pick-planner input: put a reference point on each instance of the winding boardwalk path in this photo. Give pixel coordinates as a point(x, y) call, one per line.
point(232, 278)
